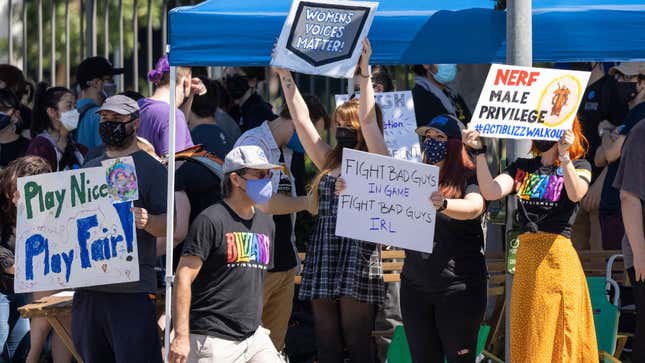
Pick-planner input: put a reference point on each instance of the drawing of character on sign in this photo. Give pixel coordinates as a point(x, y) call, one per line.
point(324, 37)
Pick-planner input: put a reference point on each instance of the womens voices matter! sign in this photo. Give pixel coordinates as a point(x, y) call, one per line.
point(70, 234)
point(528, 103)
point(387, 201)
point(323, 37)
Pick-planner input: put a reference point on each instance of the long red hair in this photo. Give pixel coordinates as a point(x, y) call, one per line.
point(456, 170)
point(579, 148)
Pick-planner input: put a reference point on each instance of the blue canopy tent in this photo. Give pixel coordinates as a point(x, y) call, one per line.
point(242, 33)
point(225, 32)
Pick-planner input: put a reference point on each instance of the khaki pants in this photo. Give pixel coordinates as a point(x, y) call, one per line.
point(278, 303)
point(255, 349)
point(585, 232)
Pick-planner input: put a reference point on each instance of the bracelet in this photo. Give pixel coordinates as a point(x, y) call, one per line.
point(479, 151)
point(368, 75)
point(565, 158)
point(444, 205)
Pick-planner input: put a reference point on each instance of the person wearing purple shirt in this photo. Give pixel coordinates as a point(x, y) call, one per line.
point(155, 122)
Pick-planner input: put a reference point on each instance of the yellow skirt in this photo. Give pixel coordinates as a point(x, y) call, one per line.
point(551, 316)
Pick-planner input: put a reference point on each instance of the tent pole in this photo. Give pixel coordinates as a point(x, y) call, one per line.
point(519, 52)
point(170, 210)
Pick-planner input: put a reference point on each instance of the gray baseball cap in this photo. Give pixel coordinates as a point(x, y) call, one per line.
point(120, 104)
point(629, 69)
point(247, 157)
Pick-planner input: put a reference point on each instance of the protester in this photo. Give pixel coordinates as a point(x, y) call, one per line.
point(278, 140)
point(14, 330)
point(95, 78)
point(204, 128)
point(54, 118)
point(251, 110)
point(432, 96)
point(342, 277)
point(551, 317)
point(600, 108)
point(117, 323)
point(154, 110)
point(12, 144)
point(224, 120)
point(630, 180)
point(443, 294)
point(382, 80)
point(608, 154)
point(14, 80)
point(218, 296)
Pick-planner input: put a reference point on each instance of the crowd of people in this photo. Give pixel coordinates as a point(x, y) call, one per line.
point(241, 182)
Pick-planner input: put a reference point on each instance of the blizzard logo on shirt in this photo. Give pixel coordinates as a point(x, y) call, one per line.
point(246, 249)
point(542, 189)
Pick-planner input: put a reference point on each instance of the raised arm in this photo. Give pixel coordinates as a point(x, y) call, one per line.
point(367, 106)
point(491, 189)
point(469, 207)
point(575, 186)
point(315, 147)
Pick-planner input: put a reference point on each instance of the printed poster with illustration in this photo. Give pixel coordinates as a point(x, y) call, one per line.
point(528, 103)
point(399, 123)
point(121, 179)
point(70, 234)
point(387, 201)
point(324, 37)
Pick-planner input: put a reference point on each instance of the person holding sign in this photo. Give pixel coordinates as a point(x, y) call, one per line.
point(117, 322)
point(443, 294)
point(551, 316)
point(342, 277)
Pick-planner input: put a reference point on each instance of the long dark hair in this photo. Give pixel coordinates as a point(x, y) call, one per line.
point(45, 98)
point(8, 100)
point(456, 170)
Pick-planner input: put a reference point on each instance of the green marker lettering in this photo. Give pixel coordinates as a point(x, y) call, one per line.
point(78, 190)
point(60, 197)
point(32, 189)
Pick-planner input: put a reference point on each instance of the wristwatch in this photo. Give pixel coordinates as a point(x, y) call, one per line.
point(444, 205)
point(564, 158)
point(479, 151)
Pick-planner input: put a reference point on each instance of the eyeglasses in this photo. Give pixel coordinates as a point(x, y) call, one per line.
point(258, 174)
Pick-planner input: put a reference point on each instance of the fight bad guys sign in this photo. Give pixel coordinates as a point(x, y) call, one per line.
point(71, 232)
point(324, 37)
point(387, 201)
point(528, 103)
point(399, 123)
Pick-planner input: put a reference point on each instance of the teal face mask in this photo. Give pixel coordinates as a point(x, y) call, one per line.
point(445, 73)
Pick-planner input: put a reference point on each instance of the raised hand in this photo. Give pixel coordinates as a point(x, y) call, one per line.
point(471, 139)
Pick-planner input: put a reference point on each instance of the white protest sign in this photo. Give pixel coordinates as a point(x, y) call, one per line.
point(399, 123)
point(69, 233)
point(387, 201)
point(324, 37)
point(528, 103)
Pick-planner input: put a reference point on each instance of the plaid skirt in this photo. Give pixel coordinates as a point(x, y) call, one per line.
point(336, 266)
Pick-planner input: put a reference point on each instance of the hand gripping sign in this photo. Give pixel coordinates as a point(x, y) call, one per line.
point(324, 37)
point(528, 103)
point(71, 234)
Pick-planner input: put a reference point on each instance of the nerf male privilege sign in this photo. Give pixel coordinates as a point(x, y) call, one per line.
point(70, 234)
point(528, 103)
point(323, 37)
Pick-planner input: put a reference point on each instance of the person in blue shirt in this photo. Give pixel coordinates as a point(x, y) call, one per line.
point(95, 78)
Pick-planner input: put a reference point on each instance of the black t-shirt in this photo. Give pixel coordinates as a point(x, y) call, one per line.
point(600, 102)
point(13, 150)
point(213, 138)
point(236, 253)
point(610, 197)
point(457, 261)
point(152, 180)
point(544, 201)
point(427, 106)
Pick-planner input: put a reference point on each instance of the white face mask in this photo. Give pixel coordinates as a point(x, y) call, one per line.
point(69, 119)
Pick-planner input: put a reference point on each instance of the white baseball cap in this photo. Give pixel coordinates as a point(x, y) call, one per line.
point(247, 157)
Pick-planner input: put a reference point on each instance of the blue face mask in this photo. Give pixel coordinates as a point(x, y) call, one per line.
point(434, 150)
point(259, 190)
point(445, 73)
point(5, 120)
point(295, 144)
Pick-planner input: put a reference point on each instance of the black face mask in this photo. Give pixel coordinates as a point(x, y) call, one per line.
point(626, 91)
point(346, 137)
point(543, 145)
point(114, 133)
